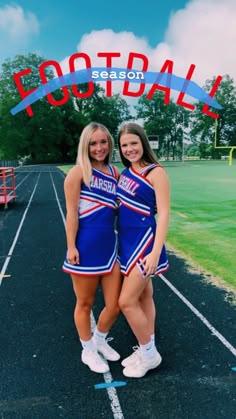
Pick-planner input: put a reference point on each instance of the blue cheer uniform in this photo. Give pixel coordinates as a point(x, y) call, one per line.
point(96, 239)
point(137, 219)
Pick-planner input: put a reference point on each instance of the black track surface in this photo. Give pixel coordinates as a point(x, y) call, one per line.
point(41, 375)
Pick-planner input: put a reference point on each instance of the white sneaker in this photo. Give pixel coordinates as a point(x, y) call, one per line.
point(131, 358)
point(139, 368)
point(94, 361)
point(106, 350)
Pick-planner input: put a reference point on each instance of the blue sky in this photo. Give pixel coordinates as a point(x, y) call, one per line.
point(199, 32)
point(62, 24)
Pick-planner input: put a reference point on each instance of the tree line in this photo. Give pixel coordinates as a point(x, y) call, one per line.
point(52, 134)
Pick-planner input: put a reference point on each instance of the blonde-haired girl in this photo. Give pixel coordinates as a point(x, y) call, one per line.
point(90, 193)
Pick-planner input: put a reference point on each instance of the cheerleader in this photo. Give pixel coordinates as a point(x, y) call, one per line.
point(91, 259)
point(143, 191)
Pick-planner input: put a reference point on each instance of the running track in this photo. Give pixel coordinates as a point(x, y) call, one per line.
point(41, 375)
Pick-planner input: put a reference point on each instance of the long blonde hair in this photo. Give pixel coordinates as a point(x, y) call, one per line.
point(83, 158)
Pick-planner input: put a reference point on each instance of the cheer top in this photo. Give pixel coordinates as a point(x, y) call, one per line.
point(96, 239)
point(137, 219)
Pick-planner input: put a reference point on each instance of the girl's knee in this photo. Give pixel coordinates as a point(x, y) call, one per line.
point(85, 306)
point(124, 304)
point(114, 311)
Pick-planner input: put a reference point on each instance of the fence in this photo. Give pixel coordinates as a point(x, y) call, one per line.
point(9, 163)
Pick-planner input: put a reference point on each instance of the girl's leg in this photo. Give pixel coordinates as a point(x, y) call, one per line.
point(135, 294)
point(130, 302)
point(111, 286)
point(148, 306)
point(85, 290)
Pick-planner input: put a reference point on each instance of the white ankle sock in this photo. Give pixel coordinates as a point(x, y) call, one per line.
point(148, 350)
point(88, 345)
point(99, 337)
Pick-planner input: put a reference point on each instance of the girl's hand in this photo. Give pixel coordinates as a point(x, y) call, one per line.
point(150, 262)
point(73, 256)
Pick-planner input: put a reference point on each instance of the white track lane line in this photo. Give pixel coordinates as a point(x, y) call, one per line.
point(200, 316)
point(7, 260)
point(23, 180)
point(11, 192)
point(112, 393)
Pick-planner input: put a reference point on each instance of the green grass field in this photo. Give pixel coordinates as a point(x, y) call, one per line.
point(203, 216)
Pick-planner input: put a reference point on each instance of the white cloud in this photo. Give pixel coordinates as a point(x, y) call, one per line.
point(16, 29)
point(108, 41)
point(203, 33)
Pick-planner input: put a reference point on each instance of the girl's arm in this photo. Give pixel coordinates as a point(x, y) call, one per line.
point(72, 187)
point(160, 182)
